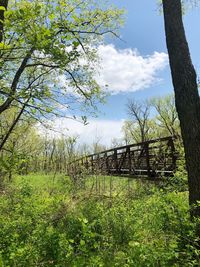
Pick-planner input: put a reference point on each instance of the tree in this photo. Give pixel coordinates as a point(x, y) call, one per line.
point(155, 118)
point(57, 152)
point(186, 95)
point(96, 145)
point(139, 114)
point(23, 143)
point(48, 53)
point(167, 116)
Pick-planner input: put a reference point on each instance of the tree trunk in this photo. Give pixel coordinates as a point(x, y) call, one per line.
point(186, 94)
point(10, 130)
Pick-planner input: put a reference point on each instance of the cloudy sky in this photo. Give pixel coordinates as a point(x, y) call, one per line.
point(134, 68)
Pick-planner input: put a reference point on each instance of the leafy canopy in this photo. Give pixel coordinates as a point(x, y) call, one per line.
point(48, 55)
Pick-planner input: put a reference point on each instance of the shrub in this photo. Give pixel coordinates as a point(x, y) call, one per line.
point(38, 228)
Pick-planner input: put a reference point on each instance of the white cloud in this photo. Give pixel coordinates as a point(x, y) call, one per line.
point(123, 70)
point(126, 70)
point(103, 130)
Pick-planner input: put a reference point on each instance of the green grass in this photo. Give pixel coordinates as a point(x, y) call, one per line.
point(39, 180)
point(103, 221)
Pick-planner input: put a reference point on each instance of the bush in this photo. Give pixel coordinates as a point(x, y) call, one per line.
point(38, 228)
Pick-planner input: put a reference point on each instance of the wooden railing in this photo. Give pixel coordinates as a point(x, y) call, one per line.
point(151, 158)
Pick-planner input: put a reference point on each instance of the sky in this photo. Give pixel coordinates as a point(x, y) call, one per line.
point(135, 68)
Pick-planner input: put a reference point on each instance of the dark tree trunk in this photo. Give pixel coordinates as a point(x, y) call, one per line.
point(186, 94)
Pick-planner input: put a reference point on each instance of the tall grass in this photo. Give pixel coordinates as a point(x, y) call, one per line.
point(105, 221)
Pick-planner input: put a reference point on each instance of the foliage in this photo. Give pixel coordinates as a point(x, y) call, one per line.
point(151, 119)
point(42, 224)
point(49, 59)
point(60, 41)
point(167, 117)
point(21, 146)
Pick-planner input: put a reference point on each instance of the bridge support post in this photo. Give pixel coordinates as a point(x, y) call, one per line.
point(129, 159)
point(115, 161)
point(98, 165)
point(92, 165)
point(107, 165)
point(146, 148)
point(173, 151)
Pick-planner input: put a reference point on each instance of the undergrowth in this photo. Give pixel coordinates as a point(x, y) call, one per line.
point(43, 223)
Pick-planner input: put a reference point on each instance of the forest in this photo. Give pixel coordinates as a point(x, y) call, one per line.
point(58, 205)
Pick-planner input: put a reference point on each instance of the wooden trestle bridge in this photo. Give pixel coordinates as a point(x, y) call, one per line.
point(152, 158)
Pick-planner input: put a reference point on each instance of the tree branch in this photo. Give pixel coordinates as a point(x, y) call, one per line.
point(17, 76)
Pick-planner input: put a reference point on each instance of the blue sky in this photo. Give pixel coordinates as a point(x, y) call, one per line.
point(144, 30)
point(148, 69)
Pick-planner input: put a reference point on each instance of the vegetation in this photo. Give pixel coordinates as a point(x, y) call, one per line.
point(48, 65)
point(28, 150)
point(43, 223)
point(143, 126)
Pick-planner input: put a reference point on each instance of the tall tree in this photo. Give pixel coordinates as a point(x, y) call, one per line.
point(139, 113)
point(167, 117)
point(48, 50)
point(186, 94)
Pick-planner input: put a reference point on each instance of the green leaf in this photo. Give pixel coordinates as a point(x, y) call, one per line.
point(75, 44)
point(51, 16)
point(82, 242)
point(85, 220)
point(2, 8)
point(133, 243)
